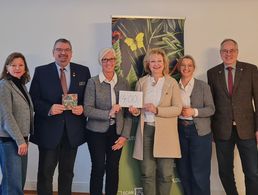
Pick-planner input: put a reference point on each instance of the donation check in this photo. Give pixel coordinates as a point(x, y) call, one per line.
point(131, 98)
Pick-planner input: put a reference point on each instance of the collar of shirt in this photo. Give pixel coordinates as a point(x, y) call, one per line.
point(156, 83)
point(190, 84)
point(233, 66)
point(102, 78)
point(67, 69)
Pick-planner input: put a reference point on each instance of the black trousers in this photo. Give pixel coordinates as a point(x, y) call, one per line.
point(63, 155)
point(248, 155)
point(104, 160)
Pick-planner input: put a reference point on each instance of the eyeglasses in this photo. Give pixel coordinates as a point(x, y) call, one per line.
point(106, 60)
point(60, 50)
point(228, 51)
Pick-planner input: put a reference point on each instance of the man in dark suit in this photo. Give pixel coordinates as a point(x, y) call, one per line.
point(234, 86)
point(58, 131)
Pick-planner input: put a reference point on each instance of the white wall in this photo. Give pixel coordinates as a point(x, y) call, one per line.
point(31, 27)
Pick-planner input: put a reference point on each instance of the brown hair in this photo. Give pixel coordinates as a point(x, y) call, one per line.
point(146, 60)
point(5, 75)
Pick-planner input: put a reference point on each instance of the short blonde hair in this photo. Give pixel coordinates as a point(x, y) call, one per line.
point(146, 60)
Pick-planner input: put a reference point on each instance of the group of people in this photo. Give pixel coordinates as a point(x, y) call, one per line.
point(176, 122)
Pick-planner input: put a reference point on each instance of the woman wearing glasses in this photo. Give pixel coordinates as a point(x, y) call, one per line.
point(108, 125)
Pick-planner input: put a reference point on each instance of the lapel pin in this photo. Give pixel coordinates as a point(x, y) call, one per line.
point(73, 74)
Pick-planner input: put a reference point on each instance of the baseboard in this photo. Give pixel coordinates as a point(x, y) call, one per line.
point(33, 192)
point(82, 188)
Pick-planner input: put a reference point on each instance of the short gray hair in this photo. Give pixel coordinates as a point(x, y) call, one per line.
point(103, 52)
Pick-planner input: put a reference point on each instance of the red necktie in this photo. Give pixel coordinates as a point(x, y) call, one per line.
point(230, 81)
point(63, 80)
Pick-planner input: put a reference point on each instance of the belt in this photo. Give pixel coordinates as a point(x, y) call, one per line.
point(150, 123)
point(9, 139)
point(112, 121)
point(186, 122)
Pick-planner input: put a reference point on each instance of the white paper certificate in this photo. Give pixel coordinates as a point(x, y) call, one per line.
point(131, 98)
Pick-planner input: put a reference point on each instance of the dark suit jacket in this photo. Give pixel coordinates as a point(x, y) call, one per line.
point(238, 108)
point(45, 91)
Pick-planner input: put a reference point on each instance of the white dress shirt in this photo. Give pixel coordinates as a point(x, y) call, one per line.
point(153, 95)
point(112, 83)
point(185, 93)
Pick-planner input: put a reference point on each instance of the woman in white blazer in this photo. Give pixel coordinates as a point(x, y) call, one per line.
point(157, 141)
point(16, 122)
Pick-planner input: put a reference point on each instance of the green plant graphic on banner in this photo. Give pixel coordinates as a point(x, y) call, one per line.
point(131, 38)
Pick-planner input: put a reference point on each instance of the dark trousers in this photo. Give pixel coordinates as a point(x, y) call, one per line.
point(248, 154)
point(104, 160)
point(195, 165)
point(64, 155)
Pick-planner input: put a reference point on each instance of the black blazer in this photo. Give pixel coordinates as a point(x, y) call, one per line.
point(45, 91)
point(238, 108)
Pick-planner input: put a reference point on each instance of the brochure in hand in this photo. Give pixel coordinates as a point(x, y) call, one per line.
point(69, 101)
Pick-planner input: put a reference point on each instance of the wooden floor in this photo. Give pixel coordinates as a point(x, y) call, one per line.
point(27, 192)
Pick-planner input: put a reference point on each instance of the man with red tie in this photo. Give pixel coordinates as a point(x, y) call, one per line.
point(59, 130)
point(235, 92)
